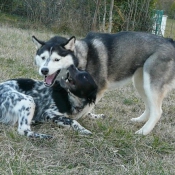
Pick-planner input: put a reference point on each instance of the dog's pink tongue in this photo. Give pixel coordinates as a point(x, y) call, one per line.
point(49, 79)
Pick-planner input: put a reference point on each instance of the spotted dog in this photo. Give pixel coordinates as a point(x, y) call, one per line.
point(27, 100)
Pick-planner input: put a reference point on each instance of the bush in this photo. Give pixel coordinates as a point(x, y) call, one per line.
point(172, 11)
point(6, 5)
point(134, 15)
point(79, 15)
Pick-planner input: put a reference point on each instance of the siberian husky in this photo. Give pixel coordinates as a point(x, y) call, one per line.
point(113, 60)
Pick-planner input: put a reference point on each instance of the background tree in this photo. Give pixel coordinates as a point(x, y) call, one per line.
point(81, 16)
point(167, 6)
point(110, 15)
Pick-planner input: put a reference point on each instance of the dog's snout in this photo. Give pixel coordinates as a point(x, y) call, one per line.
point(44, 71)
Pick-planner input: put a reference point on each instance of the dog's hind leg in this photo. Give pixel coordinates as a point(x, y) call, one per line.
point(25, 108)
point(138, 84)
point(158, 78)
point(95, 116)
point(155, 104)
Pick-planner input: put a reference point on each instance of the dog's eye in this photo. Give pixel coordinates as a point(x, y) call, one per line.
point(56, 59)
point(43, 58)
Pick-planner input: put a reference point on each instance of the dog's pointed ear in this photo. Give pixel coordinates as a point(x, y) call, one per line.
point(70, 45)
point(38, 43)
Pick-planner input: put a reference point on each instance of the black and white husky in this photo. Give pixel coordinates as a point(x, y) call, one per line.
point(112, 60)
point(26, 100)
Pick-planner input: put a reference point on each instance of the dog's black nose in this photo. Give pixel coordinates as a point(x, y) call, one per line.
point(44, 71)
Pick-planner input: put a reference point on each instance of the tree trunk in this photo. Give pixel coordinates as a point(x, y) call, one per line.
point(104, 17)
point(110, 16)
point(94, 22)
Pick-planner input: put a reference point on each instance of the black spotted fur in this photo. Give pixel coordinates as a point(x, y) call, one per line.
point(24, 100)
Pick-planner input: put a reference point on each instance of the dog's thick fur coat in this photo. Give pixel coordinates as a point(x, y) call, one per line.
point(113, 59)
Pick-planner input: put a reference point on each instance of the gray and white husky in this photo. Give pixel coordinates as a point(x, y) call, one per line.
point(113, 60)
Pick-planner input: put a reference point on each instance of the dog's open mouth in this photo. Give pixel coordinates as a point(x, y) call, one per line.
point(50, 79)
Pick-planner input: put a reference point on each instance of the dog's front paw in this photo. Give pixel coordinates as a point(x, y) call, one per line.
point(80, 129)
point(32, 134)
point(142, 131)
point(96, 116)
point(139, 119)
point(41, 136)
point(143, 118)
point(85, 132)
point(135, 119)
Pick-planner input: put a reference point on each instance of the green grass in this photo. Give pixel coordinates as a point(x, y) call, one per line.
point(113, 148)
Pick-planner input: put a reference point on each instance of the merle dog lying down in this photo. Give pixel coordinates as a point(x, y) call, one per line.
point(26, 100)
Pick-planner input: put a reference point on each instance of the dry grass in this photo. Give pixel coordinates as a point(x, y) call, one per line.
point(170, 28)
point(113, 148)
